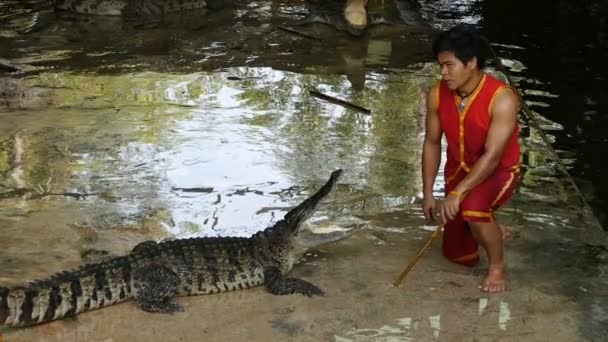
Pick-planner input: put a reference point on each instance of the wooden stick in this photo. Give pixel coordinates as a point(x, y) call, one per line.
point(418, 256)
point(290, 30)
point(340, 102)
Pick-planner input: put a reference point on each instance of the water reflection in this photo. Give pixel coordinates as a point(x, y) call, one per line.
point(251, 140)
point(246, 135)
point(565, 50)
point(141, 136)
point(446, 13)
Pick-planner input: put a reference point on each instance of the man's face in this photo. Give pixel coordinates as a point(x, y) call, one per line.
point(453, 71)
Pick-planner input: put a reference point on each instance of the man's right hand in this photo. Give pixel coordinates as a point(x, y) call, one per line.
point(429, 206)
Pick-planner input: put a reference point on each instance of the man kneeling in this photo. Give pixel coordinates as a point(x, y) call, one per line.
point(478, 116)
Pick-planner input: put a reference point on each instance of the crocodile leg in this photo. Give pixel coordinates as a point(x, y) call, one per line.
point(144, 247)
point(276, 284)
point(155, 285)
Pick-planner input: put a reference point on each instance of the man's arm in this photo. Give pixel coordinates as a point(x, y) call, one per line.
point(503, 121)
point(431, 150)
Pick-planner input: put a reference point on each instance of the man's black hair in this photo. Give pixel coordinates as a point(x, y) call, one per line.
point(465, 42)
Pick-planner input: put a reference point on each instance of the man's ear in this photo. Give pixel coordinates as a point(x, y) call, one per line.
point(472, 64)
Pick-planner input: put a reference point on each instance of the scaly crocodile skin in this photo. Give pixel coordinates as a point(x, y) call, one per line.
point(129, 7)
point(153, 273)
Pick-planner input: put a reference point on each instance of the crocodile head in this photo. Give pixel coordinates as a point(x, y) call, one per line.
point(293, 235)
point(309, 237)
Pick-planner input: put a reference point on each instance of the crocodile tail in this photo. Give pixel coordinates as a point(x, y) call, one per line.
point(66, 294)
point(296, 216)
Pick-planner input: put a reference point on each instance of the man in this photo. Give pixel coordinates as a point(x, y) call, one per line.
point(478, 116)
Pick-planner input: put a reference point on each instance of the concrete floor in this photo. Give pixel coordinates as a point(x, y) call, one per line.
point(550, 298)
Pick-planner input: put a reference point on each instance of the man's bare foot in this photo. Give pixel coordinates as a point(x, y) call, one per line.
point(495, 280)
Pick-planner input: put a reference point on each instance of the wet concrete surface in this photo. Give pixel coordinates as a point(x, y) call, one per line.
point(184, 136)
point(550, 296)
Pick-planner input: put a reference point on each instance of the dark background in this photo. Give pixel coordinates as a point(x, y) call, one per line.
point(564, 47)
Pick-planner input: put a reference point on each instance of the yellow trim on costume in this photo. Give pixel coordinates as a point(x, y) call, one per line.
point(496, 93)
point(467, 257)
point(474, 213)
point(451, 178)
point(461, 116)
point(504, 188)
point(438, 87)
point(514, 171)
point(465, 167)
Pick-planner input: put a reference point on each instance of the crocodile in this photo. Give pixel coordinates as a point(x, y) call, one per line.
point(135, 8)
point(152, 274)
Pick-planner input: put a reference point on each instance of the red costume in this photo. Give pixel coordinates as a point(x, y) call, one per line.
point(466, 133)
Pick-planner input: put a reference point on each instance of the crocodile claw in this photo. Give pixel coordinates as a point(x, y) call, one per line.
point(310, 290)
point(276, 284)
point(166, 307)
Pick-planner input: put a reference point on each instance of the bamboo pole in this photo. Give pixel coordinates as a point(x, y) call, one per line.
point(419, 255)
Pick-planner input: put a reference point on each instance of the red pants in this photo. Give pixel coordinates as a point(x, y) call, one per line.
point(479, 205)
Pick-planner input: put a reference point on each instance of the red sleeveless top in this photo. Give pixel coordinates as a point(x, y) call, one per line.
point(466, 131)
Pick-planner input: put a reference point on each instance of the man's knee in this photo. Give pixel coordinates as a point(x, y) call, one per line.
point(485, 231)
point(479, 224)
